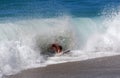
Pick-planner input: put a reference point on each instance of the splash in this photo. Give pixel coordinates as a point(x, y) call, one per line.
point(21, 42)
point(109, 39)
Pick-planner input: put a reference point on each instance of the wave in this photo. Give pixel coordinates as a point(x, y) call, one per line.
point(108, 39)
point(21, 42)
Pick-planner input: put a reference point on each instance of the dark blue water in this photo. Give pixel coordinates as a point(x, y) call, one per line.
point(53, 8)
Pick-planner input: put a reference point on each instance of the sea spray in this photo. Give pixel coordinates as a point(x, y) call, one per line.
point(21, 41)
point(108, 40)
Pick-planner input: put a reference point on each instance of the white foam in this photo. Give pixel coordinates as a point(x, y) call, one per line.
point(109, 39)
point(19, 48)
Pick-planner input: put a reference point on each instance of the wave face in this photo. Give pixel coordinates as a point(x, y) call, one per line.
point(73, 24)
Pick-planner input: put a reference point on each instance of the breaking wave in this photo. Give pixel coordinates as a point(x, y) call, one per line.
point(22, 41)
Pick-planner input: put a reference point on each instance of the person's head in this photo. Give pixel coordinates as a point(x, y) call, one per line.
point(56, 48)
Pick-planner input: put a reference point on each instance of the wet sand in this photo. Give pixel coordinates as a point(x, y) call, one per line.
point(106, 67)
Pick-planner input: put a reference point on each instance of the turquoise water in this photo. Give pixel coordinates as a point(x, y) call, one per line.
point(54, 8)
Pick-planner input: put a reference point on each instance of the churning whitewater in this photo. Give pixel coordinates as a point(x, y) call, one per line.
point(21, 41)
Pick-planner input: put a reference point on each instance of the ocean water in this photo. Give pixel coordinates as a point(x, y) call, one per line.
point(89, 28)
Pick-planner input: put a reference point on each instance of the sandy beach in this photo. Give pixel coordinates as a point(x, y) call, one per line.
point(106, 67)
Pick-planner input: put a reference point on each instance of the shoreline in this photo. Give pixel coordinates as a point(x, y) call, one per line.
point(104, 67)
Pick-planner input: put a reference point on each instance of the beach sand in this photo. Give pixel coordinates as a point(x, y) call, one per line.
point(106, 67)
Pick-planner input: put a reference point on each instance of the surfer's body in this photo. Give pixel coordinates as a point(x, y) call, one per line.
point(56, 48)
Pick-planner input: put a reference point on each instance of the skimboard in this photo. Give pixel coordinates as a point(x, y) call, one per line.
point(67, 51)
point(62, 53)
